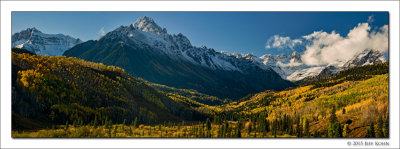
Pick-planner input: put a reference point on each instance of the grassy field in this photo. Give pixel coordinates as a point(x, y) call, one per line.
point(143, 131)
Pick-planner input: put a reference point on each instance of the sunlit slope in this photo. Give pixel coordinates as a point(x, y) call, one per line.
point(359, 95)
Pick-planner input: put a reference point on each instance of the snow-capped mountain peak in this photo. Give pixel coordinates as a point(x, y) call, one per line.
point(147, 24)
point(43, 44)
point(145, 32)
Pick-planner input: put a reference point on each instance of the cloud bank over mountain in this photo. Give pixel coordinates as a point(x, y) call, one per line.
point(323, 48)
point(331, 48)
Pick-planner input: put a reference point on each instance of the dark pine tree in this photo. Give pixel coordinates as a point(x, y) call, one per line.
point(135, 123)
point(379, 128)
point(238, 134)
point(66, 125)
point(208, 124)
point(333, 118)
point(306, 128)
point(370, 131)
point(338, 130)
point(386, 127)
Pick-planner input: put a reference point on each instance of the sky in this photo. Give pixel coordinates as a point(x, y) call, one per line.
point(257, 33)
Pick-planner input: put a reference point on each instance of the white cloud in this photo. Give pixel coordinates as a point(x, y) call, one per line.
point(331, 48)
point(279, 42)
point(101, 31)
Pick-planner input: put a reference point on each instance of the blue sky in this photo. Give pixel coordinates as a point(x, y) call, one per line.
point(240, 32)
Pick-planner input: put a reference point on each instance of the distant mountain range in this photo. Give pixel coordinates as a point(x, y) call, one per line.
point(145, 50)
point(43, 44)
point(292, 67)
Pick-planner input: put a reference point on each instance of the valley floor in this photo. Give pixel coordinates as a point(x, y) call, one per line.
point(146, 131)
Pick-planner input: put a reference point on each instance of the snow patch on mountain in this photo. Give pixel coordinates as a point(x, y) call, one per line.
point(302, 73)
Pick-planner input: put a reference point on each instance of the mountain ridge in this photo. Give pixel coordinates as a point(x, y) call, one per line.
point(171, 60)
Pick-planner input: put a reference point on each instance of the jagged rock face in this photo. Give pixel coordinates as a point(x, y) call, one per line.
point(367, 57)
point(327, 72)
point(43, 44)
point(295, 57)
point(146, 51)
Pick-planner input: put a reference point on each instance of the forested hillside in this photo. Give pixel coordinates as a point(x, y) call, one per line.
point(55, 90)
point(345, 105)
